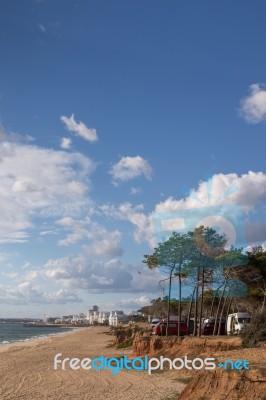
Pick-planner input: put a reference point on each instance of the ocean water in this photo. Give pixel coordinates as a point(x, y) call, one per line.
point(15, 332)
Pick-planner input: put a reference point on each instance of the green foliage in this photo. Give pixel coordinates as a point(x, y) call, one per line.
point(151, 260)
point(201, 258)
point(158, 307)
point(253, 273)
point(171, 254)
point(256, 332)
point(126, 343)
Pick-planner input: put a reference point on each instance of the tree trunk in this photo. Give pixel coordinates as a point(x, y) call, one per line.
point(218, 308)
point(264, 299)
point(169, 300)
point(229, 306)
point(179, 305)
point(201, 302)
point(213, 300)
point(196, 306)
point(190, 309)
point(221, 315)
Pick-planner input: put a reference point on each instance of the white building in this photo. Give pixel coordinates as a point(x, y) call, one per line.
point(116, 317)
point(92, 316)
point(103, 317)
point(77, 320)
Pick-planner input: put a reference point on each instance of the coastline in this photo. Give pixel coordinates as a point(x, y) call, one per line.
point(37, 338)
point(27, 371)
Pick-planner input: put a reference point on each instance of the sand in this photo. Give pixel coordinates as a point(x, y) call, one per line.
point(27, 371)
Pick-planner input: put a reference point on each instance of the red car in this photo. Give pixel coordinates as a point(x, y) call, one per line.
point(160, 329)
point(207, 328)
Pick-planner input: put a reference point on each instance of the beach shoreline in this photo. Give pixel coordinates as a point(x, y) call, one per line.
point(31, 341)
point(27, 370)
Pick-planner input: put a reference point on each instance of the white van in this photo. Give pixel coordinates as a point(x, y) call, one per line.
point(237, 322)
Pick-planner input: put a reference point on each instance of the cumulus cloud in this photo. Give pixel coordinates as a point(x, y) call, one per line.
point(128, 168)
point(107, 245)
point(253, 107)
point(133, 214)
point(98, 276)
point(222, 189)
point(79, 128)
point(65, 143)
point(27, 292)
point(223, 202)
point(134, 303)
point(245, 192)
point(103, 242)
point(35, 180)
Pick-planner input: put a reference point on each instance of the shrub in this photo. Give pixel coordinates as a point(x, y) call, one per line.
point(256, 332)
point(126, 343)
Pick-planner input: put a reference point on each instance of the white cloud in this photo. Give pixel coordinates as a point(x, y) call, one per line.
point(127, 212)
point(103, 243)
point(42, 28)
point(107, 245)
point(134, 303)
point(65, 143)
point(253, 107)
point(79, 128)
point(98, 276)
point(129, 168)
point(245, 190)
point(32, 275)
point(249, 248)
point(11, 274)
point(135, 190)
point(45, 233)
point(22, 186)
point(41, 181)
point(27, 292)
point(236, 197)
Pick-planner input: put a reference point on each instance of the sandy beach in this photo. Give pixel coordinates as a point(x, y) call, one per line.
point(27, 371)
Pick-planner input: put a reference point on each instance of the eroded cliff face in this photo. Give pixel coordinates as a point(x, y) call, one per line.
point(226, 385)
point(218, 384)
point(171, 345)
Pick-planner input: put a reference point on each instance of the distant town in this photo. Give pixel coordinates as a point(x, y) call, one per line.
point(93, 317)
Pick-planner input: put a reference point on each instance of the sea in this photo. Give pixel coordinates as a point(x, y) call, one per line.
point(11, 332)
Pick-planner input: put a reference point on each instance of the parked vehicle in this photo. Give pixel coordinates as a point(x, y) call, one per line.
point(207, 327)
point(154, 322)
point(237, 322)
point(173, 318)
point(160, 328)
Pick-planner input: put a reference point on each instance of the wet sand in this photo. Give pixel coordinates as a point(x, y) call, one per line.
point(27, 371)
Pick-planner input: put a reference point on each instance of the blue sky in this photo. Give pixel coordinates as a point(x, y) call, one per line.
point(112, 112)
